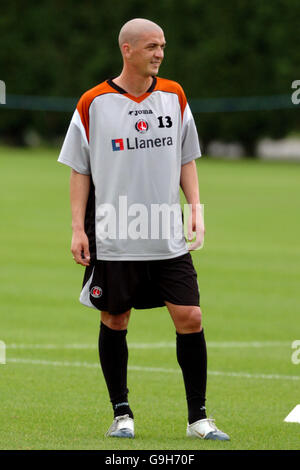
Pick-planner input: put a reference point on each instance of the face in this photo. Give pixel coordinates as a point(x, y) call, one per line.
point(147, 53)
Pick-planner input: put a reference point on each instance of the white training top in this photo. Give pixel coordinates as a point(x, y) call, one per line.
point(133, 148)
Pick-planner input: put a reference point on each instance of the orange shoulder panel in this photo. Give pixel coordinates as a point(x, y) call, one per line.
point(86, 100)
point(172, 87)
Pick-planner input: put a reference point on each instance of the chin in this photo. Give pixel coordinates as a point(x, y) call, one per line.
point(155, 71)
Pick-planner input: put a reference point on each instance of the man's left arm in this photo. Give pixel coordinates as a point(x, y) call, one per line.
point(190, 187)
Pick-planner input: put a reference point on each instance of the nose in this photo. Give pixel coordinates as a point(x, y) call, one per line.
point(159, 52)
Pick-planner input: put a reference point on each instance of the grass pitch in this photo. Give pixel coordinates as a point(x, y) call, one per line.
point(53, 395)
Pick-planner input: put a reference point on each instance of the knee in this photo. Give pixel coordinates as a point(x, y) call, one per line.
point(193, 320)
point(115, 322)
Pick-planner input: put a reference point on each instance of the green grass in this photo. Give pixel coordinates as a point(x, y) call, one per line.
point(248, 274)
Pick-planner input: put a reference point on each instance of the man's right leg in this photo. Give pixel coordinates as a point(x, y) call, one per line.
point(113, 354)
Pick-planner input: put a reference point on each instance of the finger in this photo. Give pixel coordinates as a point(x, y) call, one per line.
point(190, 228)
point(193, 246)
point(84, 259)
point(198, 243)
point(77, 255)
point(86, 254)
point(76, 250)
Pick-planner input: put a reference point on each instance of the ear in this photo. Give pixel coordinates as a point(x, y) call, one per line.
point(126, 50)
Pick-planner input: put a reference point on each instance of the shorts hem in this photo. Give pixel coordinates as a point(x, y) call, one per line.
point(183, 304)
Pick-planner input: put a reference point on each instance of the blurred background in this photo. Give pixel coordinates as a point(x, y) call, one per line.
point(236, 60)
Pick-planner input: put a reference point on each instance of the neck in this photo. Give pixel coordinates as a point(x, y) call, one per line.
point(134, 84)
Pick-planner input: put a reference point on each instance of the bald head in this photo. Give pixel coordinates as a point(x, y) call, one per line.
point(134, 29)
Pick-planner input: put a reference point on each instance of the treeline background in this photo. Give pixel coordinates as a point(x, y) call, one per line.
point(215, 49)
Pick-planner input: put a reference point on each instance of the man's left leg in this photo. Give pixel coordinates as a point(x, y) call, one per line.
point(192, 358)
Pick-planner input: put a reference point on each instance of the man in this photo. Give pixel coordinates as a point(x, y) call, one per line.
point(131, 144)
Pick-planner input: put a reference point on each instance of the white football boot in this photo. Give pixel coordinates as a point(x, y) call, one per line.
point(206, 429)
point(122, 426)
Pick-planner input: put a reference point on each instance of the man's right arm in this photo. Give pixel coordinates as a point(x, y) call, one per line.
point(79, 192)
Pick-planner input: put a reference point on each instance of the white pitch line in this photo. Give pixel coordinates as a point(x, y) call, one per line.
point(88, 346)
point(95, 365)
point(248, 344)
point(159, 345)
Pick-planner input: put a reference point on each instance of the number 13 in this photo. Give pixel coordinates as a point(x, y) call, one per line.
point(168, 121)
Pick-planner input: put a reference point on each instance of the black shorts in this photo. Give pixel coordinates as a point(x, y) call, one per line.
point(117, 286)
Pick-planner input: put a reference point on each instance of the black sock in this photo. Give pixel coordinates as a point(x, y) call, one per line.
point(113, 354)
point(192, 358)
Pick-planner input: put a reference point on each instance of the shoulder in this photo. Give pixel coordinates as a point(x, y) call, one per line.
point(87, 97)
point(163, 84)
point(170, 86)
point(86, 100)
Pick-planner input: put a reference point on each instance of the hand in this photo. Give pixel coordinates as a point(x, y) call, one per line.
point(80, 248)
point(196, 224)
